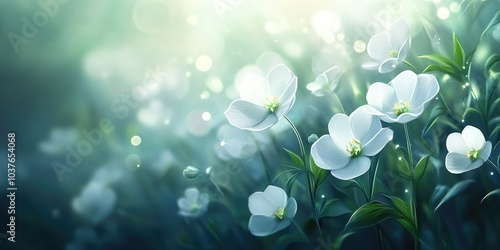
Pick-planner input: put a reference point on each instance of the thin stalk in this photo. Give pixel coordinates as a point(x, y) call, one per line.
point(302, 232)
point(411, 66)
point(308, 173)
point(494, 166)
point(413, 191)
point(262, 160)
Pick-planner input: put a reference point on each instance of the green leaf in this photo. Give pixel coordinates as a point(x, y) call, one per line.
point(419, 170)
point(471, 111)
point(493, 22)
point(334, 208)
point(442, 61)
point(454, 191)
point(319, 174)
point(295, 158)
point(289, 182)
point(458, 51)
point(371, 214)
point(491, 61)
point(338, 241)
point(407, 222)
point(287, 239)
point(494, 192)
point(436, 113)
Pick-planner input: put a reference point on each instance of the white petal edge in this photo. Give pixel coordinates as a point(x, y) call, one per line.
point(356, 167)
point(327, 155)
point(378, 142)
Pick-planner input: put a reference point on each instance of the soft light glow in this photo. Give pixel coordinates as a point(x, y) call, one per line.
point(443, 13)
point(203, 63)
point(359, 46)
point(206, 116)
point(136, 140)
point(192, 20)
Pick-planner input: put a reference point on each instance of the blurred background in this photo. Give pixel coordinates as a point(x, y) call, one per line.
point(111, 100)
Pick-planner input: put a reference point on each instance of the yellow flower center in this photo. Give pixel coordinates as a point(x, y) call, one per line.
point(473, 154)
point(271, 104)
point(401, 107)
point(195, 208)
point(280, 213)
point(354, 147)
point(393, 53)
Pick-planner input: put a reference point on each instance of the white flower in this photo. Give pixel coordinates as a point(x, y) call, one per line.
point(193, 204)
point(467, 151)
point(403, 99)
point(326, 82)
point(352, 139)
point(264, 101)
point(271, 211)
point(95, 203)
point(390, 47)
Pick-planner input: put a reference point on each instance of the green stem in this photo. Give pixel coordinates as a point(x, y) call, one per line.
point(374, 178)
point(262, 160)
point(302, 232)
point(411, 66)
point(308, 173)
point(441, 98)
point(413, 190)
point(380, 237)
point(494, 166)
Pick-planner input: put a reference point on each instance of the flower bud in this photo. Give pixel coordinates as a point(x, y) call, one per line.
point(190, 172)
point(312, 138)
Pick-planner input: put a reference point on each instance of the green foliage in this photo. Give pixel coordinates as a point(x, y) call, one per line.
point(420, 168)
point(454, 191)
point(455, 67)
point(492, 193)
point(375, 212)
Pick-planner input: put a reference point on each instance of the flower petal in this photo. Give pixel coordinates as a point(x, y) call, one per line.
point(378, 142)
point(388, 65)
point(457, 163)
point(382, 97)
point(192, 195)
point(473, 137)
point(291, 208)
point(332, 74)
point(485, 151)
point(246, 115)
point(356, 167)
point(379, 46)
point(456, 144)
point(403, 51)
point(280, 77)
point(259, 204)
point(364, 125)
point(408, 117)
point(399, 31)
point(327, 155)
point(254, 89)
point(340, 130)
point(281, 224)
point(183, 204)
point(276, 195)
point(426, 89)
point(260, 225)
point(370, 65)
point(404, 85)
point(287, 98)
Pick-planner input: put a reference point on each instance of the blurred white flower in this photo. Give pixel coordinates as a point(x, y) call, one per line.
point(95, 203)
point(192, 204)
point(352, 140)
point(234, 143)
point(264, 101)
point(390, 47)
point(467, 150)
point(403, 99)
point(271, 211)
point(326, 82)
point(58, 139)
